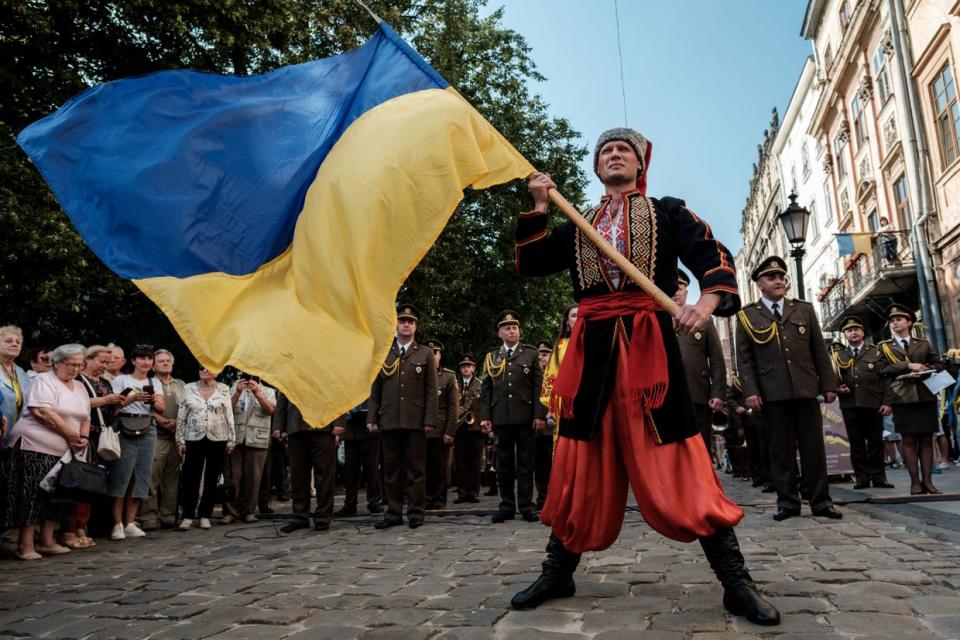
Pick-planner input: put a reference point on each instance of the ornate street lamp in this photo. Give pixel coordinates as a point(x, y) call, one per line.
point(794, 221)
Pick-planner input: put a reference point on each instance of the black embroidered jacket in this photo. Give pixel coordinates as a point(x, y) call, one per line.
point(659, 231)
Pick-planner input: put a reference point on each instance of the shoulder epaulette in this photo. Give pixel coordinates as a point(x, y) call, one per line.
point(887, 341)
point(445, 370)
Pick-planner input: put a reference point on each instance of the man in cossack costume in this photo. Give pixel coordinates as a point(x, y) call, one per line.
point(627, 413)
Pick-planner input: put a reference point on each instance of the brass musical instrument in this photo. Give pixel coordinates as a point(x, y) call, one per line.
point(464, 414)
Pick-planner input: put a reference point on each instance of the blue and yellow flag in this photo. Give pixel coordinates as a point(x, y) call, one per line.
point(853, 243)
point(274, 218)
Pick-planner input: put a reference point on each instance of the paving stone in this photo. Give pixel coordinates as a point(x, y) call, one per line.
point(945, 626)
point(689, 621)
point(329, 633)
point(131, 630)
point(468, 618)
point(538, 619)
point(872, 603)
point(81, 628)
point(273, 616)
point(894, 576)
point(892, 624)
point(934, 605)
point(253, 632)
point(598, 622)
point(464, 633)
point(537, 634)
point(37, 627)
point(625, 634)
point(399, 633)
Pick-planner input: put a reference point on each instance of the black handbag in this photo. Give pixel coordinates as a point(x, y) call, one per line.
point(82, 481)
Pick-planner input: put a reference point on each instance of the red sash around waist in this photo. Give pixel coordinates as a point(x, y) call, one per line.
point(647, 358)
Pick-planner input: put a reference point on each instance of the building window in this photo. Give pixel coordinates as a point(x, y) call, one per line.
point(901, 198)
point(872, 222)
point(805, 162)
point(840, 158)
point(814, 224)
point(881, 75)
point(948, 114)
point(859, 116)
point(828, 201)
point(828, 59)
point(844, 15)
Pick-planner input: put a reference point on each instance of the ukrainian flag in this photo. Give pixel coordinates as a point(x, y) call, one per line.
point(853, 243)
point(274, 218)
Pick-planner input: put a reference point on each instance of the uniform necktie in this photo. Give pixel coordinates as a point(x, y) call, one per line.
point(509, 353)
point(856, 350)
point(905, 343)
point(776, 312)
point(403, 350)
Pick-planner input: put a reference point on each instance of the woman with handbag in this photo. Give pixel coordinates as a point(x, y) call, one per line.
point(103, 401)
point(130, 474)
point(56, 420)
point(205, 435)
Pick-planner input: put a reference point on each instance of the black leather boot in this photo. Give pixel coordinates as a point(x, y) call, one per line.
point(556, 581)
point(740, 596)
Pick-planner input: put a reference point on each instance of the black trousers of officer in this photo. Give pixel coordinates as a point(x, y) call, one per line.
point(792, 425)
point(362, 460)
point(704, 417)
point(542, 464)
point(865, 432)
point(437, 472)
point(313, 456)
point(404, 459)
point(515, 464)
point(758, 453)
point(468, 450)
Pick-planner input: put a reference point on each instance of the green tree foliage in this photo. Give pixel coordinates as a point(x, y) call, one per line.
point(57, 290)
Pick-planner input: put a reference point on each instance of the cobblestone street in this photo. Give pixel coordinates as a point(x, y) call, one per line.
point(858, 577)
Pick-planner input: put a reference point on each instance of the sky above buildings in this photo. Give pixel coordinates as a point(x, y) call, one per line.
point(701, 78)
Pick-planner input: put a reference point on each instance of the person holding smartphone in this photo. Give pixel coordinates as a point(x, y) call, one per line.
point(129, 480)
point(253, 405)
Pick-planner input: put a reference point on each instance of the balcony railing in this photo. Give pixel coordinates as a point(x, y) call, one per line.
point(891, 253)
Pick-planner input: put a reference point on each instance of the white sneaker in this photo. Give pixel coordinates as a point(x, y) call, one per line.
point(133, 531)
point(944, 465)
point(204, 523)
point(185, 524)
point(117, 533)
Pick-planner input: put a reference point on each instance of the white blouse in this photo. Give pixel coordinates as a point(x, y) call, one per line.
point(199, 418)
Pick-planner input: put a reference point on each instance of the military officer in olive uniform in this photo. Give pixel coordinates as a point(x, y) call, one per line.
point(403, 407)
point(510, 406)
point(361, 450)
point(864, 400)
point(440, 439)
point(468, 442)
point(758, 453)
point(914, 407)
point(784, 365)
point(543, 440)
point(706, 370)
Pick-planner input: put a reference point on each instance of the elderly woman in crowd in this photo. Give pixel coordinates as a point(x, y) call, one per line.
point(205, 435)
point(129, 481)
point(57, 419)
point(14, 381)
point(103, 403)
